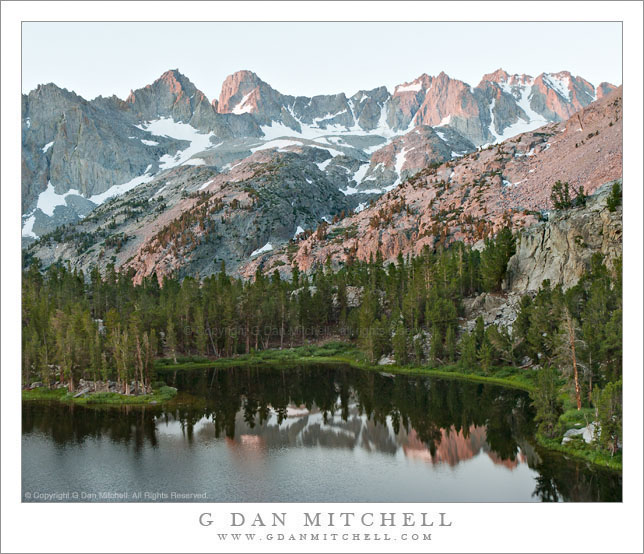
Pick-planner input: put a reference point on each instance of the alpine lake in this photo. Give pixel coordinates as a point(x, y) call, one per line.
point(314, 433)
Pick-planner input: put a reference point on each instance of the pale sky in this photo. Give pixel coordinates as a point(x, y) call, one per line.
point(309, 58)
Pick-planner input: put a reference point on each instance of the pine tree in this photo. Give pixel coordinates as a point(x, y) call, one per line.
point(545, 400)
point(479, 332)
point(485, 356)
point(615, 198)
point(436, 345)
point(367, 328)
point(171, 340)
point(199, 329)
point(399, 343)
point(560, 196)
point(467, 347)
point(450, 343)
point(608, 407)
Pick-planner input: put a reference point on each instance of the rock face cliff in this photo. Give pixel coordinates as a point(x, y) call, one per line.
point(560, 249)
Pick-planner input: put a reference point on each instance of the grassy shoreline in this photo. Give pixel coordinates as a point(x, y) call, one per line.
point(582, 451)
point(341, 353)
point(158, 396)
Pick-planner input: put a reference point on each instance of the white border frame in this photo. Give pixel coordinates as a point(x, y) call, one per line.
point(174, 527)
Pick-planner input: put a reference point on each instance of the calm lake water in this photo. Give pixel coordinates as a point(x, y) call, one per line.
point(308, 434)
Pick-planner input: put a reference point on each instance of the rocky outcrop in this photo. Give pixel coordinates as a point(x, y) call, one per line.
point(81, 145)
point(454, 103)
point(560, 249)
point(404, 156)
point(604, 89)
point(500, 309)
point(174, 96)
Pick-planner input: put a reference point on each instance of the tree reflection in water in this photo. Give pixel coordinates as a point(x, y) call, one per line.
point(438, 421)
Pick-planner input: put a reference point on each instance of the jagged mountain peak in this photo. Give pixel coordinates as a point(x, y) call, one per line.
point(170, 82)
point(378, 91)
point(52, 89)
point(176, 81)
point(604, 89)
point(235, 91)
point(500, 77)
point(245, 75)
point(422, 82)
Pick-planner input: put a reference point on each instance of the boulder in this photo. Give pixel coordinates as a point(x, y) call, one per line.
point(587, 433)
point(82, 392)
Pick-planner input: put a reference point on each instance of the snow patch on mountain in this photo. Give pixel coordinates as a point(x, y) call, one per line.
point(322, 165)
point(117, 190)
point(315, 132)
point(182, 131)
point(560, 85)
point(401, 157)
point(329, 116)
point(358, 176)
point(266, 248)
point(49, 199)
point(534, 120)
point(47, 146)
point(242, 107)
point(280, 144)
point(195, 161)
point(28, 227)
point(414, 87)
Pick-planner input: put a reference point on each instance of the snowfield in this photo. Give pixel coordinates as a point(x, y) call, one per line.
point(28, 227)
point(49, 199)
point(266, 248)
point(182, 131)
point(415, 87)
point(117, 190)
point(195, 161)
point(533, 119)
point(241, 107)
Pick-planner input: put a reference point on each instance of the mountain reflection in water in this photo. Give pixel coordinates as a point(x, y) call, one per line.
point(321, 433)
point(329, 407)
point(309, 428)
